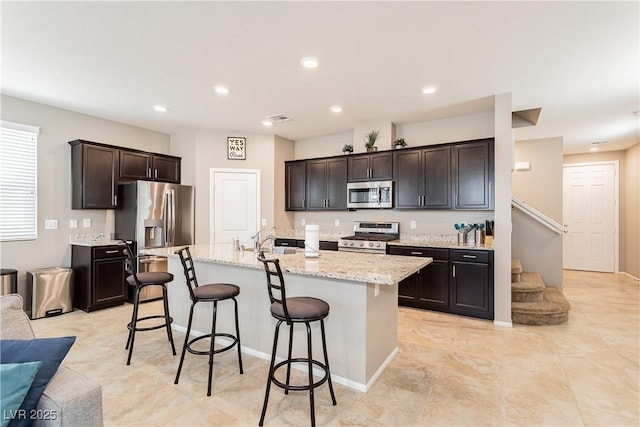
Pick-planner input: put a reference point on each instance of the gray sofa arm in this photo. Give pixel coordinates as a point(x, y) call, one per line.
point(70, 399)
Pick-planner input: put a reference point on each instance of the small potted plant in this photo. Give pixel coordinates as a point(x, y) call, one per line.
point(347, 149)
point(370, 140)
point(399, 143)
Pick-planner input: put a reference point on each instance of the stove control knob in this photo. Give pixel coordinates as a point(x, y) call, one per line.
point(371, 244)
point(361, 244)
point(378, 245)
point(350, 243)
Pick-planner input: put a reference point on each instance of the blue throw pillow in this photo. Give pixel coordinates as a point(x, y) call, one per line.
point(49, 351)
point(16, 379)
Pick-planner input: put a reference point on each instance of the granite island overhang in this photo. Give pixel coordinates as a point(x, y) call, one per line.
point(361, 289)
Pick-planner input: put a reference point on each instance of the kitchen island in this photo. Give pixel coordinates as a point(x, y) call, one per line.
point(361, 289)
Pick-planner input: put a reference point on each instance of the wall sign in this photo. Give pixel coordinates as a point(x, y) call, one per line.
point(236, 148)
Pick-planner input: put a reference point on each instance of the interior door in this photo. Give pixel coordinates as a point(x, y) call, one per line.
point(235, 205)
point(589, 216)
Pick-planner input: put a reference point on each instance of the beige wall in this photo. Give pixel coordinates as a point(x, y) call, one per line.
point(207, 149)
point(629, 194)
point(539, 248)
point(57, 127)
point(284, 150)
point(541, 186)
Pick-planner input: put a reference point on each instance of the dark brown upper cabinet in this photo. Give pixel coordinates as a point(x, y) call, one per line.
point(327, 184)
point(473, 174)
point(94, 175)
point(371, 167)
point(423, 178)
point(148, 166)
point(295, 179)
point(96, 170)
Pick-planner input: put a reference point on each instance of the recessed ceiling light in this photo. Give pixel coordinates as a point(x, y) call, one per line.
point(594, 148)
point(309, 62)
point(267, 122)
point(160, 108)
point(428, 90)
point(336, 109)
point(221, 90)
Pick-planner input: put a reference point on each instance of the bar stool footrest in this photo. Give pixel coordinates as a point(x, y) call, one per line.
point(300, 387)
point(206, 352)
point(149, 328)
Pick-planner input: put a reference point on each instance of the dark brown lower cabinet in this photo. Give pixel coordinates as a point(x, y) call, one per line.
point(472, 283)
point(457, 281)
point(325, 245)
point(99, 276)
point(428, 288)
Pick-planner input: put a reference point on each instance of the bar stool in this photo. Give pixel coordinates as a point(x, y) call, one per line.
point(214, 293)
point(141, 281)
point(294, 310)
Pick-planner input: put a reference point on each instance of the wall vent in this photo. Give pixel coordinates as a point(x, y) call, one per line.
point(279, 118)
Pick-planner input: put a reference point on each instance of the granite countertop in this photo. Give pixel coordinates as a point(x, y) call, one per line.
point(93, 240)
point(445, 241)
point(356, 267)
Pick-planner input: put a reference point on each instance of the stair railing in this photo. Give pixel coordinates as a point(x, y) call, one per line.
point(538, 216)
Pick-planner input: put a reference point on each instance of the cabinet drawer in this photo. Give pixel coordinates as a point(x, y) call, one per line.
point(328, 246)
point(436, 254)
point(470, 256)
point(287, 242)
point(108, 252)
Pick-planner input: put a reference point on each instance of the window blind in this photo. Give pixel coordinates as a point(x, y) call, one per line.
point(18, 181)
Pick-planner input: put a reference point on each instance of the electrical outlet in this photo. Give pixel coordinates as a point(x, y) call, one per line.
point(264, 222)
point(303, 221)
point(73, 223)
point(86, 222)
point(337, 223)
point(50, 224)
point(413, 225)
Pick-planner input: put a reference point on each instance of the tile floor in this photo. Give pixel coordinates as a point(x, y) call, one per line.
point(450, 371)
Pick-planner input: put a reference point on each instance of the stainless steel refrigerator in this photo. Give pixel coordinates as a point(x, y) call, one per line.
point(154, 215)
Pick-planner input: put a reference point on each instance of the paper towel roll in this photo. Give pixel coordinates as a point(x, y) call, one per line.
point(312, 241)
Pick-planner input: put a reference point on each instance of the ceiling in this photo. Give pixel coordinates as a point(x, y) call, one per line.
point(578, 61)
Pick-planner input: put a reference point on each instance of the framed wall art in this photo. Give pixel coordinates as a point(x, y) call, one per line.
point(236, 148)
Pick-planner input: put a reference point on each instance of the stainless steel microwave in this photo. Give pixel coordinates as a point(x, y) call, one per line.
point(373, 194)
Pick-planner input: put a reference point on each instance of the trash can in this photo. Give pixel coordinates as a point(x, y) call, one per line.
point(51, 291)
point(9, 284)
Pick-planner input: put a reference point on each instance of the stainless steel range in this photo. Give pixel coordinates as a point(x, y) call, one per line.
point(370, 237)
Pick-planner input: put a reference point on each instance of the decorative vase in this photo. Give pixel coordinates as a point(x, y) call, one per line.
point(398, 147)
point(370, 149)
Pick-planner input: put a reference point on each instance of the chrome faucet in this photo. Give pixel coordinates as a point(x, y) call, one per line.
point(257, 243)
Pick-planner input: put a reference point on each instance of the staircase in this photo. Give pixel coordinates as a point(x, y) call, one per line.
point(534, 303)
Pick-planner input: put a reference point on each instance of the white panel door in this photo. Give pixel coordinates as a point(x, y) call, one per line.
point(589, 216)
point(235, 204)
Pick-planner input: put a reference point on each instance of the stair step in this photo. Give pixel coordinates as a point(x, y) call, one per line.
point(552, 310)
point(530, 288)
point(516, 270)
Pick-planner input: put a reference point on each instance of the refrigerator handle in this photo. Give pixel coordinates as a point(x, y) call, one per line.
point(165, 218)
point(173, 217)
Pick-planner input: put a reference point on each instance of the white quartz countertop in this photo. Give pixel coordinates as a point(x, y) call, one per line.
point(350, 266)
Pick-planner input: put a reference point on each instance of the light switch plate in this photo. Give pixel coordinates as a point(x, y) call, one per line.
point(264, 222)
point(73, 223)
point(413, 225)
point(86, 222)
point(337, 223)
point(50, 224)
point(303, 221)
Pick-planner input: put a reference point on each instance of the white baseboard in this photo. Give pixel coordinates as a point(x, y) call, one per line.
point(633, 277)
point(503, 324)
